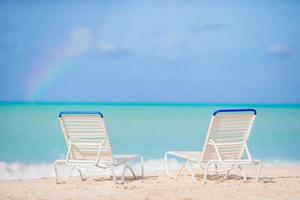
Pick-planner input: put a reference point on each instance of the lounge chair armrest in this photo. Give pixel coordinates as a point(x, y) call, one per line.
point(100, 148)
point(69, 151)
point(83, 143)
point(215, 144)
point(211, 142)
point(248, 152)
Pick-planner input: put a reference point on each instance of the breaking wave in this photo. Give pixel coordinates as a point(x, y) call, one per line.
point(21, 171)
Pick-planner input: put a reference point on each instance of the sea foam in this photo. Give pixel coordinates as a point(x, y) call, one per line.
point(21, 171)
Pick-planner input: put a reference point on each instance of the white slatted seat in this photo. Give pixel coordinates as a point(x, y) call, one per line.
point(225, 146)
point(89, 147)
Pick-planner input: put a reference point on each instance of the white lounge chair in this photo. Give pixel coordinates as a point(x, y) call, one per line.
point(225, 146)
point(89, 148)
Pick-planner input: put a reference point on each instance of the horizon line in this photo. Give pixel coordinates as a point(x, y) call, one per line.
point(147, 103)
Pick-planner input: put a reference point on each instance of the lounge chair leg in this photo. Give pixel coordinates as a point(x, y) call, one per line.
point(259, 170)
point(216, 168)
point(227, 174)
point(243, 174)
point(205, 175)
point(124, 170)
point(81, 175)
point(123, 174)
point(179, 172)
point(206, 171)
point(88, 173)
point(166, 164)
point(142, 166)
point(55, 170)
point(113, 174)
point(191, 171)
point(69, 174)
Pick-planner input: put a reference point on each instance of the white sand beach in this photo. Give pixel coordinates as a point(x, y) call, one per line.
point(277, 182)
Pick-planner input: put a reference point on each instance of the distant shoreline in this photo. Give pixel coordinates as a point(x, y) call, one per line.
point(155, 104)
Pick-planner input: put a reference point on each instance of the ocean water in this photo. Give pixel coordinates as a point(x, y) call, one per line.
point(31, 138)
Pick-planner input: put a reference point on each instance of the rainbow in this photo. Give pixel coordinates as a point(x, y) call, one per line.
point(47, 70)
point(45, 73)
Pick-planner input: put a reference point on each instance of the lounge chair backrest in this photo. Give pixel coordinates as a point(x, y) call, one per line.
point(85, 132)
point(227, 134)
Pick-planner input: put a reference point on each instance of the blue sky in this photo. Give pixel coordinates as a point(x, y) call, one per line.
point(150, 51)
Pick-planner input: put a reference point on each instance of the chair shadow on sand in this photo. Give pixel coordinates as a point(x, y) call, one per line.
point(220, 178)
point(199, 178)
point(128, 179)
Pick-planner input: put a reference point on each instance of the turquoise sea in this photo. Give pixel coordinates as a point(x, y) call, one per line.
point(30, 134)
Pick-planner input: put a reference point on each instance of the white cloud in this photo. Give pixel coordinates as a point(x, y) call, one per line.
point(81, 39)
point(110, 48)
point(278, 49)
point(207, 27)
point(170, 45)
point(106, 47)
